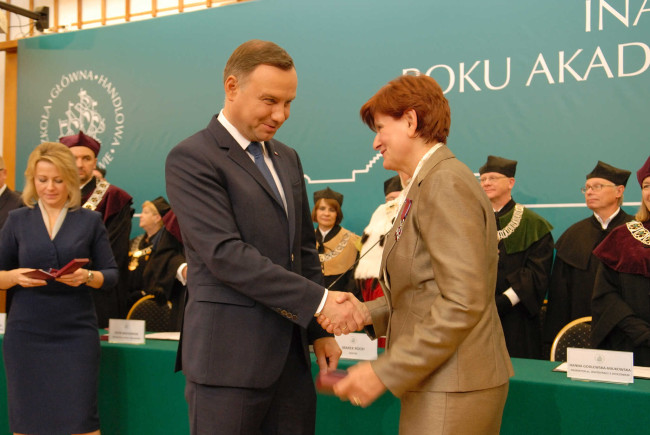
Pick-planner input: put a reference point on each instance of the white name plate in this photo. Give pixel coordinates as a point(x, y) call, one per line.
point(357, 346)
point(600, 365)
point(3, 322)
point(126, 331)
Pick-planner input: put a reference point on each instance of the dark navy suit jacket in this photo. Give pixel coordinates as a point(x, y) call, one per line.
point(253, 270)
point(9, 200)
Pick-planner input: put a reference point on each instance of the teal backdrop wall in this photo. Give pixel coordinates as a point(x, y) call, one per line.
point(556, 85)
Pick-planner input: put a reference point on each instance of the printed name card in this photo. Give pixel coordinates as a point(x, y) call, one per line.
point(357, 346)
point(126, 331)
point(600, 365)
point(3, 321)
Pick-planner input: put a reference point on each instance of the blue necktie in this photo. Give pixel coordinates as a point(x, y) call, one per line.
point(255, 148)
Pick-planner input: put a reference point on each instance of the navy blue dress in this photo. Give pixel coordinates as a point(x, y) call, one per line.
point(51, 344)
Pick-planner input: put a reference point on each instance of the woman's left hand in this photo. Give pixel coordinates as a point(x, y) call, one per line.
point(74, 279)
point(361, 386)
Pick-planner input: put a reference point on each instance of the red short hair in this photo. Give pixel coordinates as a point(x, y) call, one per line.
point(420, 93)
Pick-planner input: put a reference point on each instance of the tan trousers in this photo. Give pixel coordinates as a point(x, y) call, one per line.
point(437, 413)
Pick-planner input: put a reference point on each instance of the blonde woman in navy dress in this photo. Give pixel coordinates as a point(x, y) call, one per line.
point(51, 345)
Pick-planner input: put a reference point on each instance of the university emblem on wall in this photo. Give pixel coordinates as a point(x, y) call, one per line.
point(88, 101)
point(82, 115)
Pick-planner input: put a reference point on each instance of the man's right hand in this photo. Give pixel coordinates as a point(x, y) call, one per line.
point(343, 313)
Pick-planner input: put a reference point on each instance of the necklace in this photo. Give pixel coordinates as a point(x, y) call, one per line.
point(639, 232)
point(513, 224)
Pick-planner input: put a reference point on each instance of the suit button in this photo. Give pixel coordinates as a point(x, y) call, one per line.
point(292, 257)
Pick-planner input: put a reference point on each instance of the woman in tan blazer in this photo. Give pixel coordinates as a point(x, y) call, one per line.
point(446, 357)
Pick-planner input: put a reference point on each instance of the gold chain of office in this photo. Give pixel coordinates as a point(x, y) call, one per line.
point(97, 196)
point(639, 232)
point(336, 251)
point(136, 253)
point(513, 224)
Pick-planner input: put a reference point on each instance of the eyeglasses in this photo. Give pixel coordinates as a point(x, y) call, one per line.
point(595, 187)
point(484, 180)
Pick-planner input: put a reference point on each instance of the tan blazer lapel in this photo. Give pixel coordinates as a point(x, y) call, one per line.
point(441, 154)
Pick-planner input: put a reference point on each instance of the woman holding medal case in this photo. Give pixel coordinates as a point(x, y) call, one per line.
point(51, 345)
point(446, 357)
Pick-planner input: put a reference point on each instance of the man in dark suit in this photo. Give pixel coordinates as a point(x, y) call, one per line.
point(9, 200)
point(254, 277)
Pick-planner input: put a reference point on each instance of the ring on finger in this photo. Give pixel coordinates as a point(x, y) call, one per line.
point(356, 401)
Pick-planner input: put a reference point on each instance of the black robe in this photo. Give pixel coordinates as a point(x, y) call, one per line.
point(117, 211)
point(527, 272)
point(621, 298)
point(574, 273)
point(156, 274)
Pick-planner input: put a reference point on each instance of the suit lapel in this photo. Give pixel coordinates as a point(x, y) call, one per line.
point(439, 155)
point(241, 157)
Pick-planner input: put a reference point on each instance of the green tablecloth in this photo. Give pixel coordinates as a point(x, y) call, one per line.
point(141, 395)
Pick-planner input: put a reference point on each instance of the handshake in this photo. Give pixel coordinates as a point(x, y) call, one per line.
point(343, 313)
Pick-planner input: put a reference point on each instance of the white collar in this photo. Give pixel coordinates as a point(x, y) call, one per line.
point(239, 138)
point(605, 223)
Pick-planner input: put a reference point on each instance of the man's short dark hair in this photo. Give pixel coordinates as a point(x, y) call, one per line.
point(254, 53)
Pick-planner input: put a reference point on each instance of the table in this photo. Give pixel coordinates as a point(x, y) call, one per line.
point(141, 395)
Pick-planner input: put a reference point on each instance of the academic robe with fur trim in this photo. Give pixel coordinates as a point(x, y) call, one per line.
point(621, 299)
point(574, 272)
point(525, 259)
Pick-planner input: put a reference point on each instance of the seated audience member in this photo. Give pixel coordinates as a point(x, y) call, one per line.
point(372, 241)
point(9, 200)
point(337, 247)
point(621, 297)
point(574, 270)
point(156, 261)
point(525, 257)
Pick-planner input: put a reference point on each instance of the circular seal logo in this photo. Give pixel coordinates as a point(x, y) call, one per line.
point(87, 101)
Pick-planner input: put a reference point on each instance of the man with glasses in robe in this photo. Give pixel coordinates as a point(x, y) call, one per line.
point(525, 257)
point(574, 270)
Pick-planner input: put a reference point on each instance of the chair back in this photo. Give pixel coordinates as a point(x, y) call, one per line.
point(157, 317)
point(574, 334)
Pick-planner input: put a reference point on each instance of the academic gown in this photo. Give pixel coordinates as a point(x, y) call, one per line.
point(525, 259)
point(343, 281)
point(156, 272)
point(574, 272)
point(621, 299)
point(117, 211)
